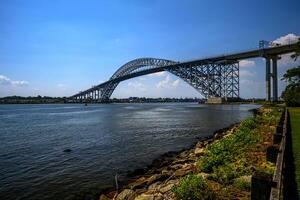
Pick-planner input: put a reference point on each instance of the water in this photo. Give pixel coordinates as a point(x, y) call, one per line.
point(104, 139)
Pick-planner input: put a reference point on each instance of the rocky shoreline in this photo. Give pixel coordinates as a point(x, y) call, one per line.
point(156, 180)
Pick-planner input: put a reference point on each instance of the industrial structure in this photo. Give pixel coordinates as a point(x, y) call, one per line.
point(213, 77)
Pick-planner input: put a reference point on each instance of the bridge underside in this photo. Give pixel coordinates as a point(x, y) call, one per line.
point(210, 79)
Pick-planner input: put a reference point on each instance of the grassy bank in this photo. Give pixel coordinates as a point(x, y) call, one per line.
point(295, 126)
point(225, 169)
point(219, 167)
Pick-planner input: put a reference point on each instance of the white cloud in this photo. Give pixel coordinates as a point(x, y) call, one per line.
point(286, 58)
point(252, 88)
point(247, 63)
point(62, 86)
point(19, 83)
point(157, 74)
point(168, 83)
point(246, 73)
point(137, 86)
point(176, 83)
point(4, 80)
point(287, 39)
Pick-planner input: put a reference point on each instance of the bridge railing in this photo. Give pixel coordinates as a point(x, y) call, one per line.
point(270, 186)
point(277, 186)
point(237, 52)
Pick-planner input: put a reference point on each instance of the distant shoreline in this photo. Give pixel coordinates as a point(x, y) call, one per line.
point(65, 100)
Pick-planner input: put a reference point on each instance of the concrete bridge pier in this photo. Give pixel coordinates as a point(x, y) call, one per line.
point(268, 79)
point(274, 77)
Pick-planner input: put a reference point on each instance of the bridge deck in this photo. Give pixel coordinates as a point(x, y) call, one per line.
point(264, 52)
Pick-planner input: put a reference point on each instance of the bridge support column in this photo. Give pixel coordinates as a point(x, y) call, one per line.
point(275, 79)
point(268, 79)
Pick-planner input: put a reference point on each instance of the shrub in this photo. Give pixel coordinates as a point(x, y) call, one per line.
point(266, 167)
point(292, 95)
point(243, 183)
point(192, 187)
point(229, 149)
point(249, 123)
point(224, 174)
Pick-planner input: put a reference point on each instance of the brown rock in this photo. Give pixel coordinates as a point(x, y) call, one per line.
point(126, 194)
point(145, 197)
point(111, 194)
point(166, 188)
point(159, 196)
point(184, 154)
point(104, 197)
point(181, 172)
point(139, 183)
point(155, 186)
point(199, 151)
point(176, 166)
point(218, 135)
point(140, 191)
point(153, 178)
point(174, 182)
point(166, 172)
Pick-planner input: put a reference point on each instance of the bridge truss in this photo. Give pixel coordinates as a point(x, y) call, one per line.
point(210, 79)
point(216, 76)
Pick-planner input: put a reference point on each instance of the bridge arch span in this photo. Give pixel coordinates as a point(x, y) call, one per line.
point(208, 78)
point(132, 67)
point(216, 76)
point(141, 64)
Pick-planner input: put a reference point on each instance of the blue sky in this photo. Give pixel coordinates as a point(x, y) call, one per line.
point(59, 47)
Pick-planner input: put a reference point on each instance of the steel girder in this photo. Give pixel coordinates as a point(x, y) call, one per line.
point(132, 67)
point(210, 79)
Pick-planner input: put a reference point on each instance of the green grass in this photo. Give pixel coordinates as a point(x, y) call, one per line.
point(193, 187)
point(228, 162)
point(229, 149)
point(295, 123)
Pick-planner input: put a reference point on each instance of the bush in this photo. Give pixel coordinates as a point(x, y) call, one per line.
point(266, 167)
point(243, 183)
point(229, 149)
point(192, 187)
point(292, 95)
point(249, 123)
point(224, 174)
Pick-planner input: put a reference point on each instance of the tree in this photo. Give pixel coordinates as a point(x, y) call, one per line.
point(292, 75)
point(297, 53)
point(291, 95)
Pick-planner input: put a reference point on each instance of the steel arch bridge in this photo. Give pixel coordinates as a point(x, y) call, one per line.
point(210, 79)
point(216, 76)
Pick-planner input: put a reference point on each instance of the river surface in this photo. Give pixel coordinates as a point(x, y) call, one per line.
point(104, 139)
